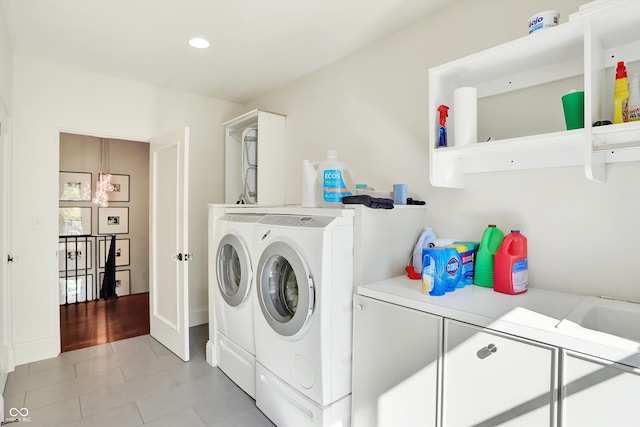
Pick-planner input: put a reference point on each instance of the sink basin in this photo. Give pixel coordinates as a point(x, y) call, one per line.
point(619, 318)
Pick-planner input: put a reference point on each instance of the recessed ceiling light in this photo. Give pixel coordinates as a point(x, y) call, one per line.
point(199, 43)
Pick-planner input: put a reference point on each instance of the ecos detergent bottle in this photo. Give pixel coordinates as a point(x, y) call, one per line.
point(335, 181)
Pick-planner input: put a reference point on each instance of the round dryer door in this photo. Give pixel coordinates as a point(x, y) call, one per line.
point(233, 268)
point(285, 289)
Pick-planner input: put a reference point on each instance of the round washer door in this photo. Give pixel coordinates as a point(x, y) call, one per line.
point(285, 289)
point(233, 268)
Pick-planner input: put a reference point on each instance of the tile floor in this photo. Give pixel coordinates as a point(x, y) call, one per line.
point(132, 382)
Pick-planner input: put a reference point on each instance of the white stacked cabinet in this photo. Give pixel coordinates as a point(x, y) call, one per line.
point(270, 157)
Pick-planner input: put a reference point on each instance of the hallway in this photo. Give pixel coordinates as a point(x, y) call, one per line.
point(103, 321)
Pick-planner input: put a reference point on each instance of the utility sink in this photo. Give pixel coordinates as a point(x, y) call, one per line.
point(618, 318)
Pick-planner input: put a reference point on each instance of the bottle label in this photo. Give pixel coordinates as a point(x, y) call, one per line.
point(428, 275)
point(452, 266)
point(333, 187)
point(634, 113)
point(520, 275)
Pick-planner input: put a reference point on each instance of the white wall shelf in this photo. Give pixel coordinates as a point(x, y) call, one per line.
point(583, 47)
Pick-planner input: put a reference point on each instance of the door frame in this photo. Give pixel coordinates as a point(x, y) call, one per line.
point(54, 214)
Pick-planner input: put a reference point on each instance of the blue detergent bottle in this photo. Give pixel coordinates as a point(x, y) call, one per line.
point(335, 181)
point(441, 270)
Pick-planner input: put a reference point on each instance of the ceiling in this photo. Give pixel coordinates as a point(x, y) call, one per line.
point(256, 45)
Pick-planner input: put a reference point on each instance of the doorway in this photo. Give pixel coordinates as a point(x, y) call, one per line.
point(86, 232)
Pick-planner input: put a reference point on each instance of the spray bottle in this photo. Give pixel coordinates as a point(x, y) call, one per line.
point(621, 95)
point(444, 112)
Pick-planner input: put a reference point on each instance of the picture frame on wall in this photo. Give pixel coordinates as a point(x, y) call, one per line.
point(113, 220)
point(75, 186)
point(74, 221)
point(76, 288)
point(123, 279)
point(121, 185)
point(74, 253)
point(122, 252)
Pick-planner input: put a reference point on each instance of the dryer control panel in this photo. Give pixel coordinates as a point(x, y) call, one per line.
point(305, 221)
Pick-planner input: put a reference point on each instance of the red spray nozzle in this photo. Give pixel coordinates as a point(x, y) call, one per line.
point(444, 112)
point(621, 70)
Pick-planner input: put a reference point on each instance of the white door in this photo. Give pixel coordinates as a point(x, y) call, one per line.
point(491, 379)
point(169, 267)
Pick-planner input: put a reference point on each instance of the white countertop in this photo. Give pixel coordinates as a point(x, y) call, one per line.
point(532, 315)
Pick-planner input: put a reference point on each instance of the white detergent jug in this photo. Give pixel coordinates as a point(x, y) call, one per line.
point(335, 181)
point(308, 184)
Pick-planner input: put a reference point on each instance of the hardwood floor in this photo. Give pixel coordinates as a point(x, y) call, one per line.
point(99, 322)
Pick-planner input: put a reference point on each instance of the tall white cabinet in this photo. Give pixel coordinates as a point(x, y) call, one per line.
point(580, 54)
point(266, 159)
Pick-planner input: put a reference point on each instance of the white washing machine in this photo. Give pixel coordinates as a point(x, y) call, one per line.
point(233, 265)
point(302, 318)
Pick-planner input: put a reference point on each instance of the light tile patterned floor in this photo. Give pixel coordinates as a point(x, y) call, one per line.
point(132, 382)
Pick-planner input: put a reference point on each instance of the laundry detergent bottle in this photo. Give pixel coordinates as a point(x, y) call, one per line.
point(335, 181)
point(491, 240)
point(511, 265)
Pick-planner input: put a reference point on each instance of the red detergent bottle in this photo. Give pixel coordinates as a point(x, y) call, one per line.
point(511, 265)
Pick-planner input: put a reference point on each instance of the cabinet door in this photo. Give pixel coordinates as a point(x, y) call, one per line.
point(597, 392)
point(395, 365)
point(492, 379)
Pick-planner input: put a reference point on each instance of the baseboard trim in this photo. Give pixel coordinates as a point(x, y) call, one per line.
point(199, 316)
point(211, 354)
point(34, 351)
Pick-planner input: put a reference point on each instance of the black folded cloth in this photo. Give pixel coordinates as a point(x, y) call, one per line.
point(371, 202)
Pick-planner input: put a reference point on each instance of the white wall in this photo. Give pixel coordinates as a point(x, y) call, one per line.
point(49, 99)
point(372, 107)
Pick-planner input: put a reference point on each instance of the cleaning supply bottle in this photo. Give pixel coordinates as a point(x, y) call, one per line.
point(427, 236)
point(335, 181)
point(308, 184)
point(467, 258)
point(442, 138)
point(491, 240)
point(511, 267)
point(457, 267)
point(634, 99)
point(621, 95)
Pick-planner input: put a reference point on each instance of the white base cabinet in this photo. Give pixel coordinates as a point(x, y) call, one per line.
point(395, 365)
point(596, 392)
point(492, 379)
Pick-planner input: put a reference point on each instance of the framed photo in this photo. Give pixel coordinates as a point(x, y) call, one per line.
point(113, 220)
point(123, 278)
point(77, 288)
point(122, 252)
point(74, 221)
point(74, 253)
point(120, 191)
point(75, 186)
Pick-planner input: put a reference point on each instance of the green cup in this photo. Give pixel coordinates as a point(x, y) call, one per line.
point(573, 105)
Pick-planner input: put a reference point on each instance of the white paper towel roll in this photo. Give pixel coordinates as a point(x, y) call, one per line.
point(465, 116)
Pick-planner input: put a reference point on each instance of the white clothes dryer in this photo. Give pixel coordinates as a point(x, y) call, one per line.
point(302, 318)
point(234, 297)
